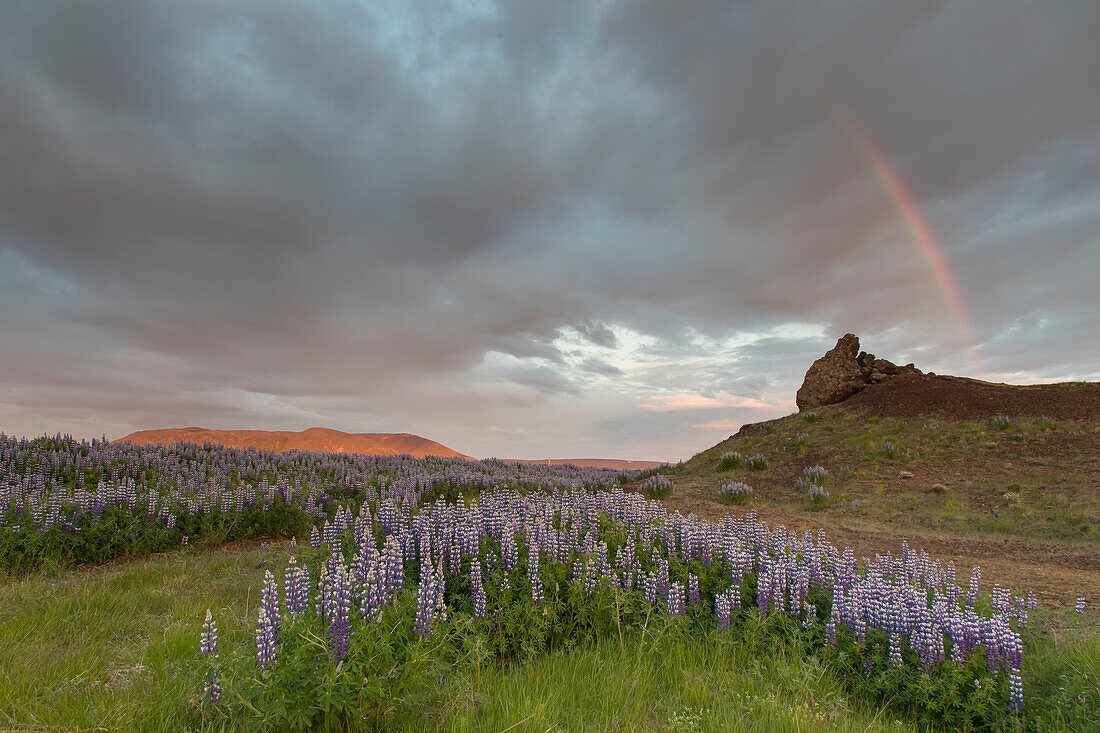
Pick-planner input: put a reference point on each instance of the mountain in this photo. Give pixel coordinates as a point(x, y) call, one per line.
point(313, 439)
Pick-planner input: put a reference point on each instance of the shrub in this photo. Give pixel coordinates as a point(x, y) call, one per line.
point(889, 450)
point(729, 460)
point(656, 487)
point(818, 496)
point(812, 476)
point(757, 462)
point(733, 492)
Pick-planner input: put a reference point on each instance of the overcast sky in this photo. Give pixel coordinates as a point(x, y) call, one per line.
point(527, 229)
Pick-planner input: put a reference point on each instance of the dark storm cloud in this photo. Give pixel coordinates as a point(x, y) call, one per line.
point(598, 366)
point(531, 217)
point(599, 334)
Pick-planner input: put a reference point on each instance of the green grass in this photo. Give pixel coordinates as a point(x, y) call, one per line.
point(113, 648)
point(665, 682)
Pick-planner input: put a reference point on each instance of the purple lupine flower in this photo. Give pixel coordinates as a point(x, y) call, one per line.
point(509, 552)
point(1080, 607)
point(208, 640)
point(809, 615)
point(729, 489)
point(269, 601)
point(763, 589)
point(208, 645)
point(533, 575)
point(265, 640)
point(693, 589)
point(722, 610)
point(393, 570)
point(477, 589)
point(295, 588)
point(314, 537)
point(184, 540)
point(1015, 692)
point(365, 566)
point(212, 688)
point(895, 650)
point(339, 614)
point(663, 582)
point(650, 588)
point(425, 595)
point(440, 590)
point(293, 541)
point(975, 586)
point(675, 605)
point(591, 579)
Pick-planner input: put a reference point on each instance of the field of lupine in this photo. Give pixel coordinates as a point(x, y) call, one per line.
point(66, 502)
point(409, 569)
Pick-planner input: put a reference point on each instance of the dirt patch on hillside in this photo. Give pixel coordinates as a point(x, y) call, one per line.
point(959, 398)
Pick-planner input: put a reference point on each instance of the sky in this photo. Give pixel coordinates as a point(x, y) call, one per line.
point(529, 228)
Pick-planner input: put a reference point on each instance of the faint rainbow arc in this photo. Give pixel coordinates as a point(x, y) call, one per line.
point(909, 211)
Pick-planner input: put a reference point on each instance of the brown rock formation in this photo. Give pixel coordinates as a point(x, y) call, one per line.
point(844, 371)
point(834, 377)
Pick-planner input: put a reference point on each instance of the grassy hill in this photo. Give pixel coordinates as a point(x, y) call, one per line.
point(1002, 476)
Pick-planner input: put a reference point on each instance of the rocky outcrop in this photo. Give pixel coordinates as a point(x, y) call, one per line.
point(842, 372)
point(834, 377)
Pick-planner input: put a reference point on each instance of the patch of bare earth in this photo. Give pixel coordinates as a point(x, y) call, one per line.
point(959, 398)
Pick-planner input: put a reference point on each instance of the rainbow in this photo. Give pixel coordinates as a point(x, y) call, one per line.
point(908, 210)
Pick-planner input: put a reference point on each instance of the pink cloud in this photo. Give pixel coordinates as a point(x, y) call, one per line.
point(681, 402)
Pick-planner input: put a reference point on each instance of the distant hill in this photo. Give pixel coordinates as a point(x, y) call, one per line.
point(617, 464)
point(313, 439)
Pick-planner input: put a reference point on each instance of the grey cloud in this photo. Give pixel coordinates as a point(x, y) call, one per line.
point(598, 366)
point(598, 333)
point(329, 211)
point(541, 379)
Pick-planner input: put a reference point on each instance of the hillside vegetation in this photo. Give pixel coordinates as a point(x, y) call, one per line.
point(1001, 476)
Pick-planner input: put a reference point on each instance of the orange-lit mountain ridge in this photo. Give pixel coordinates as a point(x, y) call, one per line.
point(313, 439)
